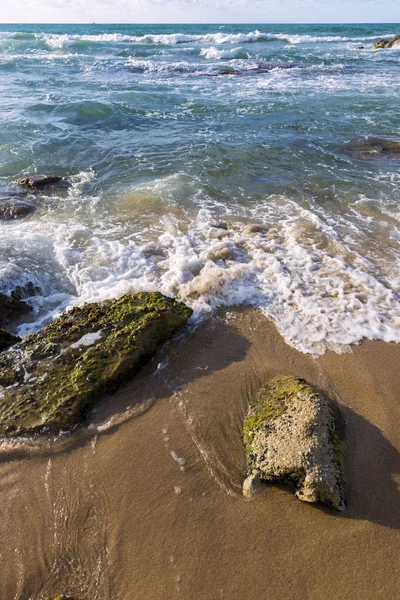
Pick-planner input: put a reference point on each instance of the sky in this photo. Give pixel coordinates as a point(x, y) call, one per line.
point(200, 11)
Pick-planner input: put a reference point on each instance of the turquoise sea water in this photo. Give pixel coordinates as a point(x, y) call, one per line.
point(232, 164)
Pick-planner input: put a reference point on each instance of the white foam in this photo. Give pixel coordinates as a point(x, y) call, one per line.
point(315, 39)
point(214, 53)
point(159, 66)
point(299, 273)
point(307, 270)
point(88, 339)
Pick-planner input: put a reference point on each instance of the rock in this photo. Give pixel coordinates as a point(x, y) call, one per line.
point(26, 290)
point(262, 68)
point(256, 229)
point(252, 485)
point(60, 372)
point(11, 308)
point(7, 340)
point(38, 181)
point(290, 434)
point(374, 148)
point(393, 43)
point(15, 209)
point(220, 225)
point(381, 44)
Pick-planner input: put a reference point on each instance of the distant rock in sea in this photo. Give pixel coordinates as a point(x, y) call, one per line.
point(39, 181)
point(290, 434)
point(262, 68)
point(51, 378)
point(374, 148)
point(393, 43)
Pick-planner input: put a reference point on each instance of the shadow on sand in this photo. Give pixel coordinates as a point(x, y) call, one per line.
point(372, 472)
point(372, 464)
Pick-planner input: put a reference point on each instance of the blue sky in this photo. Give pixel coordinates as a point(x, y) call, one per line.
point(201, 11)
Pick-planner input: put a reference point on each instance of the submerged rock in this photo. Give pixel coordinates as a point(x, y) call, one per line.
point(393, 43)
point(260, 69)
point(15, 208)
point(50, 379)
point(7, 340)
point(38, 181)
point(11, 308)
point(374, 148)
point(290, 434)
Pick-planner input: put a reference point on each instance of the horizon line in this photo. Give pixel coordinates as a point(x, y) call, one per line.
point(200, 23)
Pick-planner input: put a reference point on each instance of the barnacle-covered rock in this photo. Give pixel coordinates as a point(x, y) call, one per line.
point(290, 434)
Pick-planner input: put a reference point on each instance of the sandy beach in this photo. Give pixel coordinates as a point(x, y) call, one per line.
point(146, 502)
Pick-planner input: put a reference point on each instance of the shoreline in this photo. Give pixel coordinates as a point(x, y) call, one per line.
point(148, 498)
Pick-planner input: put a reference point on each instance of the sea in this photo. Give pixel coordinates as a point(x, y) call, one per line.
point(223, 165)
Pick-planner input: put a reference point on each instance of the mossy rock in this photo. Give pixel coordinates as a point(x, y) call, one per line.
point(291, 435)
point(52, 378)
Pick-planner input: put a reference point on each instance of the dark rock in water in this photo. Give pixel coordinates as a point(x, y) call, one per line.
point(15, 209)
point(374, 148)
point(60, 372)
point(262, 68)
point(11, 308)
point(38, 181)
point(290, 434)
point(220, 225)
point(27, 290)
point(7, 340)
point(393, 43)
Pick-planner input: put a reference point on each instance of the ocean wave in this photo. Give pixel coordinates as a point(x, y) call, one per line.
point(56, 41)
point(6, 35)
point(137, 65)
point(308, 39)
point(59, 41)
point(214, 53)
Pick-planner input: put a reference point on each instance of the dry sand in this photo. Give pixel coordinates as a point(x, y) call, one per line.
point(146, 503)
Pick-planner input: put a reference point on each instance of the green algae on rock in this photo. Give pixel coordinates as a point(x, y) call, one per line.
point(51, 378)
point(290, 434)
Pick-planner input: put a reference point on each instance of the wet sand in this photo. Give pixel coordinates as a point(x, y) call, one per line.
point(146, 503)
